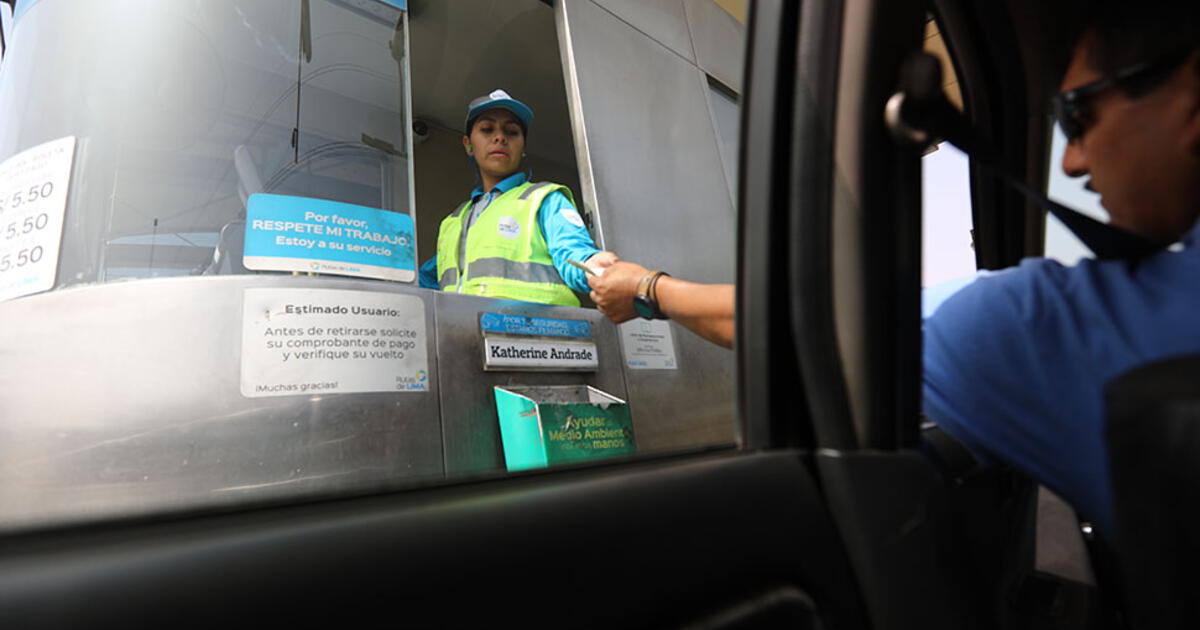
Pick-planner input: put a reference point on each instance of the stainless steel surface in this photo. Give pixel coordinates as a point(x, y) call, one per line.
point(471, 433)
point(690, 407)
point(660, 20)
point(663, 202)
point(719, 41)
point(124, 399)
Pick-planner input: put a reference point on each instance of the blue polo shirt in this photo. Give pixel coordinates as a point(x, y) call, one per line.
point(1016, 362)
point(566, 235)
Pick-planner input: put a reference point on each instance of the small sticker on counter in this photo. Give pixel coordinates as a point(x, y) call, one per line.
point(648, 345)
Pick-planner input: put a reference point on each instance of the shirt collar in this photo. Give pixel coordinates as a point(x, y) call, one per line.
point(505, 185)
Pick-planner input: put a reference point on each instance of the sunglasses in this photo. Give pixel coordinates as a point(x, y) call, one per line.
point(1073, 110)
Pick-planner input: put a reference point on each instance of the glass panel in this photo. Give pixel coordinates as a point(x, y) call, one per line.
point(948, 252)
point(155, 362)
point(137, 141)
point(189, 109)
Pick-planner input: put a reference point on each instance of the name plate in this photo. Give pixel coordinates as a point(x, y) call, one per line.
point(507, 353)
point(521, 342)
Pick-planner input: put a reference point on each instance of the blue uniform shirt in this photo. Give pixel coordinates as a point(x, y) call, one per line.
point(562, 227)
point(1016, 362)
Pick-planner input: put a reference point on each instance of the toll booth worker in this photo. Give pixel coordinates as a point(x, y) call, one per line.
point(513, 238)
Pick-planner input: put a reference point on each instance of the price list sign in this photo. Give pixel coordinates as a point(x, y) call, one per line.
point(33, 200)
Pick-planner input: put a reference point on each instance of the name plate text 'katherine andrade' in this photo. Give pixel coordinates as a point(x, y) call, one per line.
point(520, 342)
point(515, 353)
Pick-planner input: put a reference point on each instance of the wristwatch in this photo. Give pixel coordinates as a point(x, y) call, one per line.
point(645, 303)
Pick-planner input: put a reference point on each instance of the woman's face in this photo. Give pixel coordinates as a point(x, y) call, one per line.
point(497, 143)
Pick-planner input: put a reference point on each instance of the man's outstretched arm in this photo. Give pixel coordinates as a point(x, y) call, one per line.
point(705, 309)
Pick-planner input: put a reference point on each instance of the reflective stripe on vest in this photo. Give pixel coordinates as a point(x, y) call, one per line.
point(506, 255)
point(534, 188)
point(513, 270)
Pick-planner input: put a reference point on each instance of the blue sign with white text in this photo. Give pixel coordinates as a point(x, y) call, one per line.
point(537, 326)
point(316, 235)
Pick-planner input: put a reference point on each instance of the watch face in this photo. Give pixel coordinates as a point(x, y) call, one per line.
point(643, 307)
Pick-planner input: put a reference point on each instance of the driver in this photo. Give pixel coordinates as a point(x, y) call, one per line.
point(1016, 362)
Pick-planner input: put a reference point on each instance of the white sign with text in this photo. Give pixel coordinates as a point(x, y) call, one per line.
point(648, 344)
point(331, 341)
point(33, 200)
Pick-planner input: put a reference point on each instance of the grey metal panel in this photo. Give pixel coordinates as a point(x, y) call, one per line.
point(719, 41)
point(124, 399)
point(662, 20)
point(689, 407)
point(471, 431)
point(663, 202)
point(726, 115)
point(654, 157)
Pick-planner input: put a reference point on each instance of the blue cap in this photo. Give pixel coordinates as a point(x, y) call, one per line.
point(501, 99)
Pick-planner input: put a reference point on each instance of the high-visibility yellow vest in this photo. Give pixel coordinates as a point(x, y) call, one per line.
point(504, 253)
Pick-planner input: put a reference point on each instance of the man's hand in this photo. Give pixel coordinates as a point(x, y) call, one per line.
point(602, 260)
point(613, 292)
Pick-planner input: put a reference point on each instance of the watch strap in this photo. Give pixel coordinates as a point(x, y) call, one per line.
point(653, 294)
point(645, 302)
